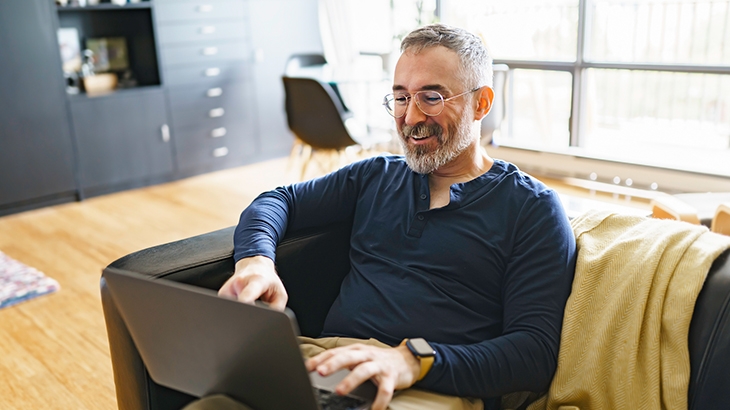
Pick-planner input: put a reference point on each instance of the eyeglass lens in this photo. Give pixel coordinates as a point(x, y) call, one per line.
point(430, 103)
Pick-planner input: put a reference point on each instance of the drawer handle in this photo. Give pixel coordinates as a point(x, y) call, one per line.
point(218, 132)
point(214, 92)
point(216, 112)
point(212, 72)
point(220, 152)
point(207, 30)
point(205, 8)
point(210, 51)
point(165, 131)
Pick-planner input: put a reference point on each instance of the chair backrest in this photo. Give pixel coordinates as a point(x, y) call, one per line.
point(315, 113)
point(493, 120)
point(297, 61)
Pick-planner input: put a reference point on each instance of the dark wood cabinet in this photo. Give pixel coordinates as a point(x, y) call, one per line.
point(206, 60)
point(123, 140)
point(36, 149)
point(202, 91)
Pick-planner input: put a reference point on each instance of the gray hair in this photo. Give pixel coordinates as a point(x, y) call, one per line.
point(475, 69)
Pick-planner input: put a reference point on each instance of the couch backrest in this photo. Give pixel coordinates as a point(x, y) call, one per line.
point(709, 340)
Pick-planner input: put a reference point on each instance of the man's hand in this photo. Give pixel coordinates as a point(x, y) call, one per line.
point(255, 278)
point(391, 369)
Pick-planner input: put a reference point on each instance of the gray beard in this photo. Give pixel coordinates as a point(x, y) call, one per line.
point(424, 160)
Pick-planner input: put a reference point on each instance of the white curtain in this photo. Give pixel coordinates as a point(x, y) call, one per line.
point(337, 38)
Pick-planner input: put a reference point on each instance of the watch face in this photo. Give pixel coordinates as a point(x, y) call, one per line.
point(421, 347)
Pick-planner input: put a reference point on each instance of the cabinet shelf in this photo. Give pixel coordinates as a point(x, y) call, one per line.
point(119, 92)
point(105, 6)
point(131, 22)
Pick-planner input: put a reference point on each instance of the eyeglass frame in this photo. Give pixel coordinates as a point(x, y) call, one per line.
point(410, 97)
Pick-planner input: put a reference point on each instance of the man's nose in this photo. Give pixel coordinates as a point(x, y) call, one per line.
point(413, 115)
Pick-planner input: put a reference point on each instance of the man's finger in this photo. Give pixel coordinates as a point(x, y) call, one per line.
point(278, 299)
point(385, 393)
point(361, 373)
point(249, 290)
point(320, 358)
point(342, 359)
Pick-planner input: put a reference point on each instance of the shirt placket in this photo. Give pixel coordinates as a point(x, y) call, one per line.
point(418, 223)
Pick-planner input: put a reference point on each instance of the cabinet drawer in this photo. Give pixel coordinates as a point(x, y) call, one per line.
point(210, 114)
point(212, 74)
point(196, 147)
point(197, 97)
point(235, 130)
point(197, 10)
point(208, 52)
point(201, 32)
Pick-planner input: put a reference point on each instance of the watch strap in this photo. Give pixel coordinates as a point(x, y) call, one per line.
point(426, 362)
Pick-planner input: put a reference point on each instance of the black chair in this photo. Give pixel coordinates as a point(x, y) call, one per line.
point(312, 264)
point(310, 65)
point(493, 120)
point(319, 120)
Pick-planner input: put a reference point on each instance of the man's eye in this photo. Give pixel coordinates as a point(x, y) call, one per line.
point(400, 99)
point(431, 100)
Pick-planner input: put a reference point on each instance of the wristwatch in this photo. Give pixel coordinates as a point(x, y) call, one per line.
point(423, 352)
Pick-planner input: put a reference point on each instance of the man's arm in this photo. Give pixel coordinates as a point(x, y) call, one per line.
point(263, 224)
point(535, 289)
point(255, 278)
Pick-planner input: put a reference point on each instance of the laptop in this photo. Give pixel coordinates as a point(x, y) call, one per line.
point(194, 341)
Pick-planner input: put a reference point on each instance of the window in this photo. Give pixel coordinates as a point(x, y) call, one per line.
point(642, 82)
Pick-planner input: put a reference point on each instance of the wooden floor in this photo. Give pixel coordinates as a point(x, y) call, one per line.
point(53, 350)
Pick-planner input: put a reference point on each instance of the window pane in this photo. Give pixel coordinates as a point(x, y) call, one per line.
point(539, 104)
point(677, 120)
point(659, 31)
point(520, 30)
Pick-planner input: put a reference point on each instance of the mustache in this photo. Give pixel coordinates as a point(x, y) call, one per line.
point(422, 130)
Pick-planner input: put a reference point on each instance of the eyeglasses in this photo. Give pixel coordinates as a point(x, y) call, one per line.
point(429, 102)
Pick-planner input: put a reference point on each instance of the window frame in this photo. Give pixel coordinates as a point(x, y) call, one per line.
point(575, 163)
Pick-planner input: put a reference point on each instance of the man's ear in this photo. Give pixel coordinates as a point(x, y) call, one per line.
point(484, 103)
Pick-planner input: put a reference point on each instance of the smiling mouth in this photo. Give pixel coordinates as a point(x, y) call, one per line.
point(420, 137)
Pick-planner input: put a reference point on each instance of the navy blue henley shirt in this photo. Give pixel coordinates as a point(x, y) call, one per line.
point(484, 279)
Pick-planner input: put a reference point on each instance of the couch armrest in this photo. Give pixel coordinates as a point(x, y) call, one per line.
point(709, 340)
point(204, 260)
point(311, 263)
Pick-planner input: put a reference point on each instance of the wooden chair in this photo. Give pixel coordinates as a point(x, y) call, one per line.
point(721, 221)
point(695, 208)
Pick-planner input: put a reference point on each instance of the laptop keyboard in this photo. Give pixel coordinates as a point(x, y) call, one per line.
point(332, 401)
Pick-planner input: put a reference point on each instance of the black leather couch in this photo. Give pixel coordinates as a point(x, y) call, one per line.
point(312, 265)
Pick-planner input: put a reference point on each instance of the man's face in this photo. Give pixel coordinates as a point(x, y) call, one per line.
point(432, 142)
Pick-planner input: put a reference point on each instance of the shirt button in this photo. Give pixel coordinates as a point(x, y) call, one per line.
point(423, 196)
point(420, 217)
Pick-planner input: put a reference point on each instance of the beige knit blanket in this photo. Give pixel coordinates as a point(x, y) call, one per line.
point(624, 338)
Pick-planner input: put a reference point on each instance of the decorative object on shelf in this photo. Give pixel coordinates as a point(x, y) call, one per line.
point(110, 53)
point(96, 84)
point(126, 80)
point(68, 44)
point(99, 84)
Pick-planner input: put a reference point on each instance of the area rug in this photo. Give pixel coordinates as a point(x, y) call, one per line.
point(19, 282)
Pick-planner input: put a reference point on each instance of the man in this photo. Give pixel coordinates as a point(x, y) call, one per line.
point(447, 245)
